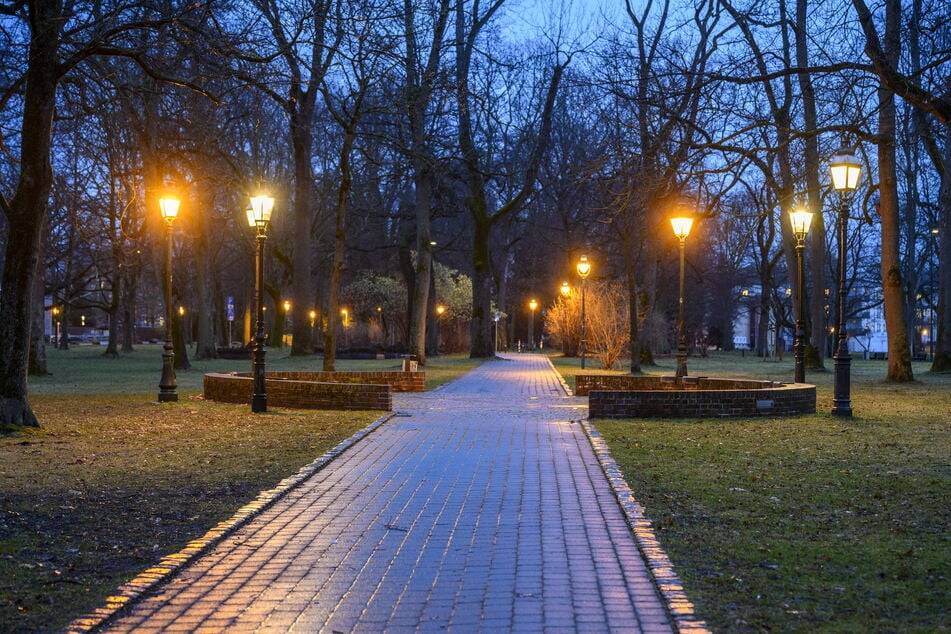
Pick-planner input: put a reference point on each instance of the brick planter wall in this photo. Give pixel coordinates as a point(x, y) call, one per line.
point(666, 397)
point(303, 394)
point(398, 381)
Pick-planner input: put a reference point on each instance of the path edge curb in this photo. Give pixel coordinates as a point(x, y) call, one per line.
point(662, 571)
point(170, 565)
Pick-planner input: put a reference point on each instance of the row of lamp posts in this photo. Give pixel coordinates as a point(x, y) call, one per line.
point(845, 170)
point(259, 218)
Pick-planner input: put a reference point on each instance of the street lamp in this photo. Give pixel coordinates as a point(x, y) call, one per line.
point(259, 219)
point(495, 318)
point(565, 292)
point(440, 311)
point(584, 269)
point(681, 226)
point(168, 388)
point(55, 312)
point(935, 231)
point(287, 313)
point(532, 305)
point(845, 170)
point(801, 218)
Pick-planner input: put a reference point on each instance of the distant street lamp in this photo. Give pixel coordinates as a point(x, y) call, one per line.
point(565, 292)
point(801, 219)
point(168, 387)
point(259, 218)
point(532, 305)
point(681, 226)
point(584, 269)
point(440, 311)
point(845, 170)
point(287, 314)
point(55, 313)
point(495, 318)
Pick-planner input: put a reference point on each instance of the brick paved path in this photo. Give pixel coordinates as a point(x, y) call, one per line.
point(480, 507)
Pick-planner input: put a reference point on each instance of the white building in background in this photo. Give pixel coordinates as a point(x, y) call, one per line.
point(867, 337)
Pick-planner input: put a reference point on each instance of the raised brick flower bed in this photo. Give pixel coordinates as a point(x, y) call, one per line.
point(668, 397)
point(317, 390)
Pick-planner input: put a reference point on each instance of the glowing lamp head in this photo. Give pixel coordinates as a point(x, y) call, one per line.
point(260, 213)
point(169, 208)
point(565, 289)
point(801, 220)
point(845, 169)
point(584, 267)
point(533, 305)
point(681, 225)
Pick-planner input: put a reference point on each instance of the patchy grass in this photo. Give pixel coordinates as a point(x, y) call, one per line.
point(113, 481)
point(811, 523)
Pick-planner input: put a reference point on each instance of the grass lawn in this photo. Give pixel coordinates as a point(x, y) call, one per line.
point(811, 523)
point(113, 481)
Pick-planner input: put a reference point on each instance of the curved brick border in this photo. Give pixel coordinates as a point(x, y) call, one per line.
point(564, 384)
point(662, 571)
point(170, 565)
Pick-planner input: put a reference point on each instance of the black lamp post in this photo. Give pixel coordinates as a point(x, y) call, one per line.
point(259, 218)
point(935, 231)
point(440, 311)
point(845, 170)
point(532, 305)
point(565, 292)
point(168, 388)
point(681, 226)
point(800, 219)
point(584, 269)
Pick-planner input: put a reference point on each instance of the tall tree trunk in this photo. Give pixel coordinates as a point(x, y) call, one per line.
point(480, 328)
point(205, 344)
point(130, 274)
point(112, 310)
point(816, 261)
point(26, 212)
point(340, 244)
point(423, 269)
point(899, 354)
point(419, 88)
point(37, 365)
point(302, 137)
point(942, 354)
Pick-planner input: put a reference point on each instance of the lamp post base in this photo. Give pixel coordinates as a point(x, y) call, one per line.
point(168, 386)
point(842, 402)
point(681, 365)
